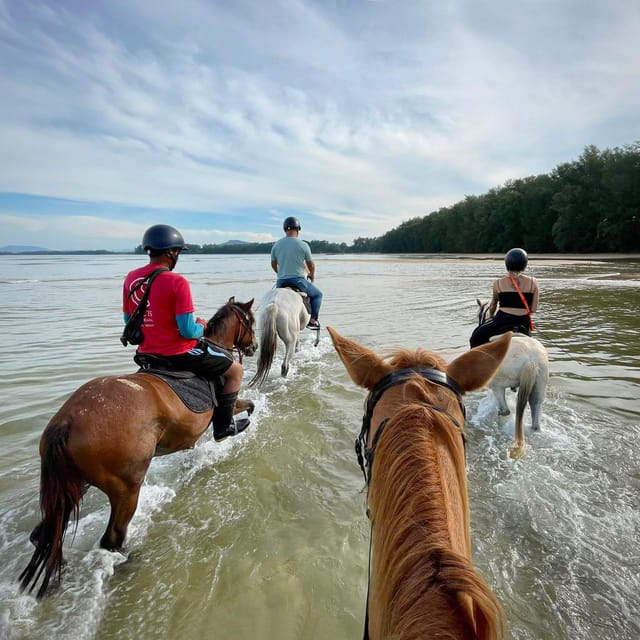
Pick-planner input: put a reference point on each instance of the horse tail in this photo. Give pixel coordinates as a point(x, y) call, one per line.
point(268, 344)
point(61, 491)
point(528, 377)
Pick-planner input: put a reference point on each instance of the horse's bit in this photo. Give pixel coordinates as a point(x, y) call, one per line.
point(364, 453)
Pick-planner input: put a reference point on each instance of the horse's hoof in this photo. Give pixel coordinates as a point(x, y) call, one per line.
point(517, 452)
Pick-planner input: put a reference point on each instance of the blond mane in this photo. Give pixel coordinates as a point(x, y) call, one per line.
point(420, 580)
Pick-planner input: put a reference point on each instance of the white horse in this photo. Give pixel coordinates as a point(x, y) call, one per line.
point(282, 314)
point(525, 367)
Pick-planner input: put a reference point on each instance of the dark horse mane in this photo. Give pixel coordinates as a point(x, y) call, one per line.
point(226, 311)
point(408, 506)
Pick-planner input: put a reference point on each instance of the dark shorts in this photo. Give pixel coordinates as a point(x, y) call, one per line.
point(203, 360)
point(500, 323)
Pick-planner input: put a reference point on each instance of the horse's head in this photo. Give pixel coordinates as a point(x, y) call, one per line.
point(483, 311)
point(233, 325)
point(417, 491)
point(472, 370)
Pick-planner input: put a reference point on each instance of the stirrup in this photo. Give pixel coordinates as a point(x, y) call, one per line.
point(235, 427)
point(314, 327)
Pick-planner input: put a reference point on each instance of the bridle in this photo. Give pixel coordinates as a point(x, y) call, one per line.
point(244, 326)
point(365, 454)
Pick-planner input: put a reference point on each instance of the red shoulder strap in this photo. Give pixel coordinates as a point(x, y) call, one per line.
point(524, 301)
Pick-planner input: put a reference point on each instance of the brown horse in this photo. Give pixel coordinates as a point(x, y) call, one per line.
point(106, 434)
point(422, 582)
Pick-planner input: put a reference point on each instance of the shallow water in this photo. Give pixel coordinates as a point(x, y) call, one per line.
point(265, 535)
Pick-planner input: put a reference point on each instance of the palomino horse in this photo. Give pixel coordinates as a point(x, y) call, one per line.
point(282, 314)
point(422, 583)
point(106, 434)
point(525, 367)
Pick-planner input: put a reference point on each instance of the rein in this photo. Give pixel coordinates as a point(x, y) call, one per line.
point(243, 327)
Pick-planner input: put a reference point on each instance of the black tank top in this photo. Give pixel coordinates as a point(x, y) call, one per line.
point(512, 299)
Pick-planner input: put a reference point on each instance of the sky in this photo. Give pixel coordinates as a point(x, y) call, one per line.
point(223, 117)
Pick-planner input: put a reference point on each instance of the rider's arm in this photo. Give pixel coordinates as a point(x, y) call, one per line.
point(274, 265)
point(536, 294)
point(126, 317)
point(494, 300)
point(311, 267)
point(189, 327)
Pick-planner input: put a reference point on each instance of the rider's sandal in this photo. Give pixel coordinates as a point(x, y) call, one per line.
point(235, 427)
point(315, 325)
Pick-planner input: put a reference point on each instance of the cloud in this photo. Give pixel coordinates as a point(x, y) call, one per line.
point(352, 114)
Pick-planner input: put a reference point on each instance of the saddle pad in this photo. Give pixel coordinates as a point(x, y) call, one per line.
point(197, 393)
point(305, 298)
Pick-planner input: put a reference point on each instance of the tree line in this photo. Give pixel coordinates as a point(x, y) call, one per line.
point(589, 205)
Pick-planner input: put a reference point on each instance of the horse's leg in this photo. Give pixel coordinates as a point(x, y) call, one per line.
point(503, 408)
point(123, 503)
point(535, 404)
point(289, 351)
point(519, 446)
point(244, 405)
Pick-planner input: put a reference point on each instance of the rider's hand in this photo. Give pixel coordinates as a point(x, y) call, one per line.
point(310, 278)
point(202, 321)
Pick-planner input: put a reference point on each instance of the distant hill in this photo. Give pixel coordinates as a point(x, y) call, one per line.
point(228, 242)
point(17, 248)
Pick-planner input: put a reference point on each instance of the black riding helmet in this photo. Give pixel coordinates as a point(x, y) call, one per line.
point(516, 260)
point(160, 238)
point(291, 223)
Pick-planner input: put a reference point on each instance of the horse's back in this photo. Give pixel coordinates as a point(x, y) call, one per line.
point(124, 417)
point(523, 350)
point(290, 312)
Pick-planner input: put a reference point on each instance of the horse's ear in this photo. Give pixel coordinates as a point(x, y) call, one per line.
point(362, 364)
point(246, 305)
point(231, 300)
point(478, 301)
point(475, 368)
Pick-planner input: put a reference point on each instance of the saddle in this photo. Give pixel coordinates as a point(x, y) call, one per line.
point(305, 298)
point(197, 393)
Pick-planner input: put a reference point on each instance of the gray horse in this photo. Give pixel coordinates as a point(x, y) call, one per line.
point(525, 367)
point(282, 314)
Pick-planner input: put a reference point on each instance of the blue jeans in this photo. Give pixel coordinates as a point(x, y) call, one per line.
point(315, 295)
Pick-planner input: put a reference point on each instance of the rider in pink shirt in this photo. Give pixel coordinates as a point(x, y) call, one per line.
point(171, 329)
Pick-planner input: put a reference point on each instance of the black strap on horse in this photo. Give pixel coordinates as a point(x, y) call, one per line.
point(365, 454)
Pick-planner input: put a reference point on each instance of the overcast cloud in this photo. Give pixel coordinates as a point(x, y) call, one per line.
point(221, 118)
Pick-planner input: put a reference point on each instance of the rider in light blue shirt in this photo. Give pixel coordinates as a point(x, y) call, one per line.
point(291, 260)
